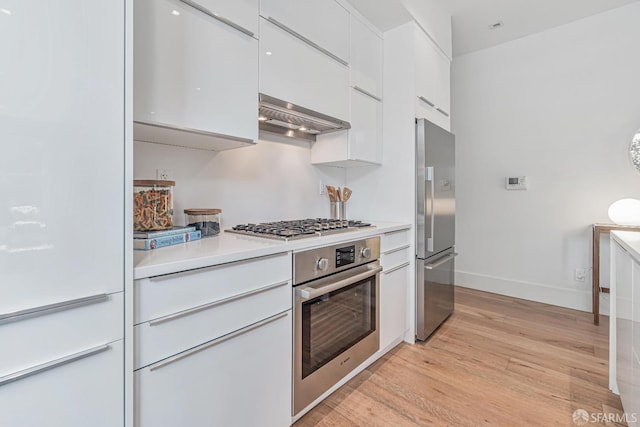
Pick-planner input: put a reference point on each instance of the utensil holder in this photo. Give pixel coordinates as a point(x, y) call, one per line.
point(338, 210)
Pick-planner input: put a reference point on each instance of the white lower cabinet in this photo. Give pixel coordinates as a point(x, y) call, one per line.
point(83, 388)
point(241, 379)
point(393, 305)
point(213, 345)
point(625, 327)
point(396, 261)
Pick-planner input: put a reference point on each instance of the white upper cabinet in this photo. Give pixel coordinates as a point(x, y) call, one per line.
point(359, 146)
point(196, 73)
point(62, 212)
point(362, 144)
point(366, 58)
point(241, 14)
point(433, 98)
point(294, 71)
point(62, 168)
point(322, 23)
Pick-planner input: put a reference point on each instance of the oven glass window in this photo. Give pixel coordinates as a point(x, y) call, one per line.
point(336, 321)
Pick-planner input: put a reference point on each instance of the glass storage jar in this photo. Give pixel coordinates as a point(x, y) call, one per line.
point(205, 220)
point(152, 204)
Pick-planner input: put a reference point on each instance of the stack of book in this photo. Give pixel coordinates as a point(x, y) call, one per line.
point(147, 240)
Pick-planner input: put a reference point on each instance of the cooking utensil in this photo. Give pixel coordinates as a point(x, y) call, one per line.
point(331, 191)
point(346, 193)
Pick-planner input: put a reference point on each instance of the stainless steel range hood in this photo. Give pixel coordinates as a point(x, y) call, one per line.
point(287, 119)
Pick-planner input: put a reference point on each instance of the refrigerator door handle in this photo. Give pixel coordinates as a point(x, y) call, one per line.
point(429, 176)
point(438, 263)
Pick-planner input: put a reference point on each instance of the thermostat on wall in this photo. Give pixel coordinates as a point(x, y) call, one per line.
point(516, 182)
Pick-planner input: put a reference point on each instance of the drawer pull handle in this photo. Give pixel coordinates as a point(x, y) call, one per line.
point(390, 251)
point(194, 310)
point(441, 111)
point(425, 100)
point(306, 40)
point(16, 376)
point(397, 267)
point(367, 93)
point(218, 17)
point(216, 341)
point(441, 261)
point(29, 313)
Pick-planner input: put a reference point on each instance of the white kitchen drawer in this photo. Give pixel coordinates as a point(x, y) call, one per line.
point(243, 13)
point(395, 257)
point(177, 332)
point(87, 391)
point(32, 340)
point(394, 240)
point(162, 295)
point(293, 71)
point(323, 22)
point(244, 380)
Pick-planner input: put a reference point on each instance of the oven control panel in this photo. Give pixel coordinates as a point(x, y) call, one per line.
point(345, 256)
point(318, 262)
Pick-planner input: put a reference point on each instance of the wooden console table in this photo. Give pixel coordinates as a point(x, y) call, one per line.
point(598, 229)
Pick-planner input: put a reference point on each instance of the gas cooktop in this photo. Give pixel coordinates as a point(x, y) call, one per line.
point(298, 229)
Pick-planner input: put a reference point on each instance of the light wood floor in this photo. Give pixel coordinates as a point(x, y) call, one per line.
point(497, 361)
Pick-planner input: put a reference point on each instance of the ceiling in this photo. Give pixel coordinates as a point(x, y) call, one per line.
point(471, 19)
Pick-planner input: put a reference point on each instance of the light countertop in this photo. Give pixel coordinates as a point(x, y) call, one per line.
point(630, 241)
point(229, 247)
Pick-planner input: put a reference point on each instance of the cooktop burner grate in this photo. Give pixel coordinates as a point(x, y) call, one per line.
point(298, 229)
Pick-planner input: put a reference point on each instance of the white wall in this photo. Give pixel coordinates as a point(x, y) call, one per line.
point(561, 107)
point(267, 182)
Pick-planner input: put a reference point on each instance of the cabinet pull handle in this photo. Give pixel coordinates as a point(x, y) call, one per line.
point(397, 267)
point(390, 251)
point(216, 341)
point(306, 40)
point(441, 261)
point(29, 313)
point(190, 311)
point(218, 17)
point(20, 375)
point(369, 94)
point(425, 100)
point(441, 111)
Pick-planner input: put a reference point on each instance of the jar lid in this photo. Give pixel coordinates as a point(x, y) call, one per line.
point(202, 211)
point(153, 182)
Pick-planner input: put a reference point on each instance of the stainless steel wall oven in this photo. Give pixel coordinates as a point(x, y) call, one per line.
point(336, 315)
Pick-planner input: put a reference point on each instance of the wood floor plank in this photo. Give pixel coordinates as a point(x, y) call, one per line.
point(497, 361)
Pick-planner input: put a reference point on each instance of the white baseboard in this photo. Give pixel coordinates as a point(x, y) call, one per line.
point(578, 299)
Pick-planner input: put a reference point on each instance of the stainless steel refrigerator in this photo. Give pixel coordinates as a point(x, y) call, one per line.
point(435, 226)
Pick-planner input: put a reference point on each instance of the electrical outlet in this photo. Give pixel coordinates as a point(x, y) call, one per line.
point(323, 189)
point(580, 274)
point(164, 174)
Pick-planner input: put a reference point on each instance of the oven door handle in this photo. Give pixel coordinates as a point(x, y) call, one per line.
point(309, 292)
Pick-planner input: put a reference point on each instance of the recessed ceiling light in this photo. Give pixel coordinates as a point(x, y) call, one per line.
point(496, 25)
point(175, 12)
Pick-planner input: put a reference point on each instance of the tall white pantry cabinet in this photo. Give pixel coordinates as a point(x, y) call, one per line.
point(64, 203)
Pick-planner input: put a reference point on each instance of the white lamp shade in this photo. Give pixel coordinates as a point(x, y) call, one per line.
point(625, 212)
